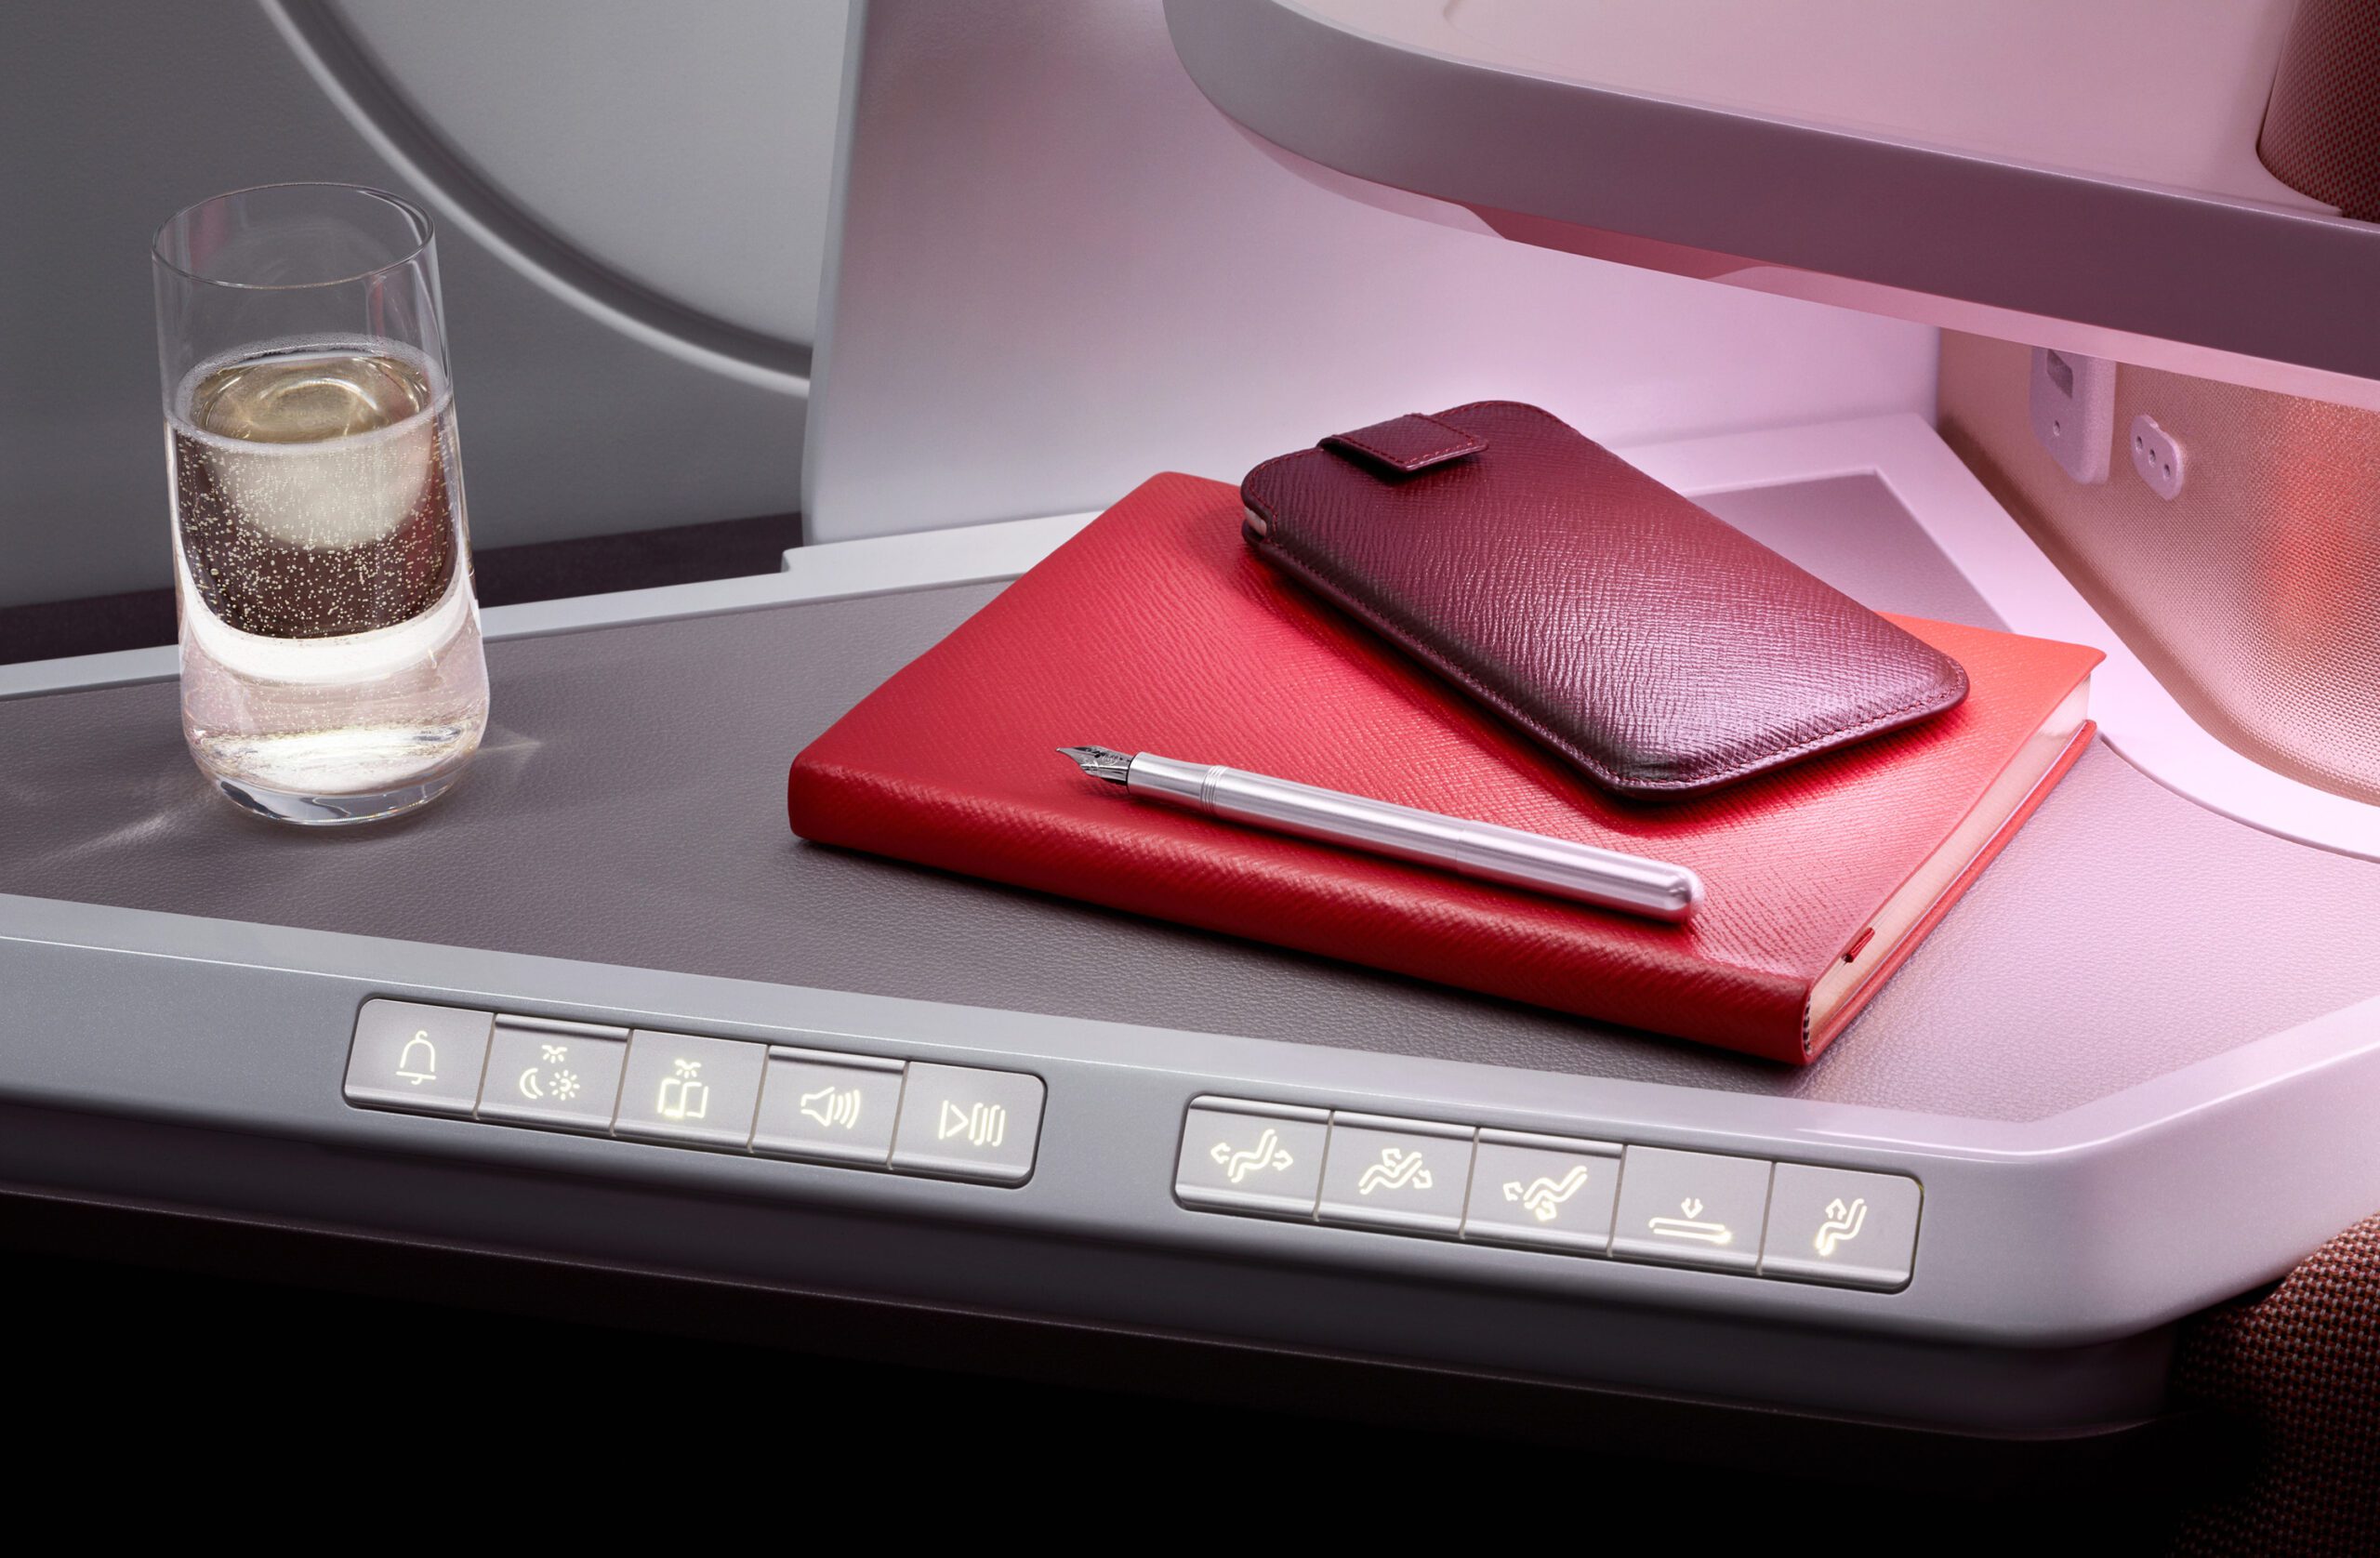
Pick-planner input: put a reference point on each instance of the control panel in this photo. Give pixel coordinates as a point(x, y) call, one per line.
point(688, 1090)
point(1798, 1222)
point(1436, 1178)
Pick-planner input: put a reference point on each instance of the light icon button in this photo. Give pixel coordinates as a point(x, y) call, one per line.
point(1406, 1175)
point(1841, 1227)
point(563, 1076)
point(1682, 1209)
point(690, 1092)
point(1544, 1192)
point(961, 1122)
point(424, 1060)
point(1241, 1157)
point(831, 1108)
point(549, 1076)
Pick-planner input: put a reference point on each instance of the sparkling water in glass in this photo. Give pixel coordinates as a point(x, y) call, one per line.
point(330, 641)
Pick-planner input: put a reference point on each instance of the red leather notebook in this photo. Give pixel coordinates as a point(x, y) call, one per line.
point(1155, 630)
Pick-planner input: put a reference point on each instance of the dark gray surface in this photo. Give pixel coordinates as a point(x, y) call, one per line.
point(628, 808)
point(113, 117)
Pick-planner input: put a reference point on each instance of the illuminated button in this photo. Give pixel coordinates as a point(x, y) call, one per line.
point(1406, 1175)
point(424, 1059)
point(1690, 1209)
point(836, 1108)
point(689, 1092)
point(1836, 1225)
point(565, 1075)
point(968, 1124)
point(1251, 1158)
point(1546, 1191)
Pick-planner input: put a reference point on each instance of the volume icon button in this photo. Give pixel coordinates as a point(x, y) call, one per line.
point(829, 1108)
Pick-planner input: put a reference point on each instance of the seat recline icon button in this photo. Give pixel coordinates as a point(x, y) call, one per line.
point(424, 1060)
point(967, 1123)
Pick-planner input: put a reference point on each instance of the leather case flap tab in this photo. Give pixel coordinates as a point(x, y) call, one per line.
point(1407, 445)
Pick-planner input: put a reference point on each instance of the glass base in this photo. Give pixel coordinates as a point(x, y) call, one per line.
point(336, 810)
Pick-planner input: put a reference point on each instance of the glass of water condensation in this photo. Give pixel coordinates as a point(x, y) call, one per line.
point(330, 641)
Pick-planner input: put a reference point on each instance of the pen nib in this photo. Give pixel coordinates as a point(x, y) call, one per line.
point(1101, 763)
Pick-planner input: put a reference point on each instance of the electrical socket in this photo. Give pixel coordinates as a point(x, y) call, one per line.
point(2157, 457)
point(2072, 399)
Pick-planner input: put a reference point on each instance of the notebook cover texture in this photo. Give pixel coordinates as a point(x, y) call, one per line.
point(1649, 643)
point(1156, 629)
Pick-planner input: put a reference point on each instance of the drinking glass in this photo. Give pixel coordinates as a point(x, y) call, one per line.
point(330, 640)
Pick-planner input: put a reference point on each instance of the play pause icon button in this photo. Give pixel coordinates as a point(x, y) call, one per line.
point(970, 1124)
point(983, 1125)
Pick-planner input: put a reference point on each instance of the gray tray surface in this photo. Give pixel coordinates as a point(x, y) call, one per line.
point(628, 808)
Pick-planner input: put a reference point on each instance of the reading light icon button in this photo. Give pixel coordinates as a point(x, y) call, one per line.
point(833, 1108)
point(1251, 1158)
point(1839, 1226)
point(967, 1124)
point(1680, 1209)
point(424, 1060)
point(689, 1092)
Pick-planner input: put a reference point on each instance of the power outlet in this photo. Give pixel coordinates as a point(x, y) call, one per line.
point(2072, 399)
point(2157, 457)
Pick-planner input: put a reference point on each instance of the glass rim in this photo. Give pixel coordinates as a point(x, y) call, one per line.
point(420, 217)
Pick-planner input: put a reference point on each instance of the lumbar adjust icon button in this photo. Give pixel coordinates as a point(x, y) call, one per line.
point(1269, 1153)
point(1396, 1170)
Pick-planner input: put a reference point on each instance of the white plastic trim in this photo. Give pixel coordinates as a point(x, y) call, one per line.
point(2139, 719)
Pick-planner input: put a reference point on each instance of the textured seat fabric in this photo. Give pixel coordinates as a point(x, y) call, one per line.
point(2303, 1366)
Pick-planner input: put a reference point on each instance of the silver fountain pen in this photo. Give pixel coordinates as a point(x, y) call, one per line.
point(1604, 877)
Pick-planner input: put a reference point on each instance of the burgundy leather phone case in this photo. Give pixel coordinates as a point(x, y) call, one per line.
point(1656, 647)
